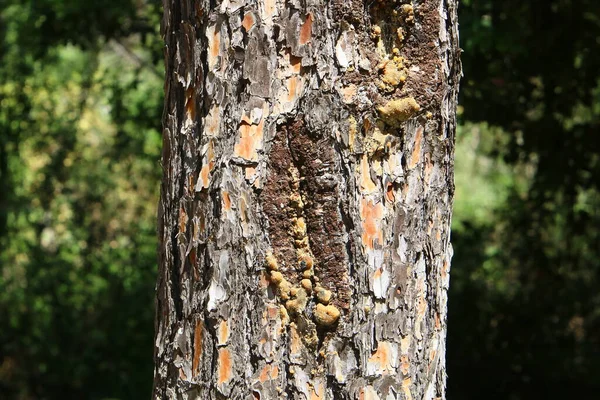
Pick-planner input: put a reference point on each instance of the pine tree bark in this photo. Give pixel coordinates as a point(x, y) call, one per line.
point(305, 208)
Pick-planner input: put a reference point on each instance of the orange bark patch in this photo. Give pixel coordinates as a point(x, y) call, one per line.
point(226, 201)
point(389, 192)
point(268, 372)
point(264, 373)
point(204, 176)
point(225, 371)
point(371, 215)
point(208, 166)
point(306, 30)
point(223, 335)
point(198, 332)
point(382, 361)
point(214, 46)
point(183, 219)
point(193, 260)
point(404, 365)
point(248, 21)
point(366, 183)
point(190, 185)
point(292, 87)
point(250, 139)
point(416, 153)
point(318, 391)
point(377, 273)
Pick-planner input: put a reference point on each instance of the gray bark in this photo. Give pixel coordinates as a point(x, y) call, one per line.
point(305, 209)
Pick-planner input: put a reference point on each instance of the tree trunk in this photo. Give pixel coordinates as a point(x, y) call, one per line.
point(305, 208)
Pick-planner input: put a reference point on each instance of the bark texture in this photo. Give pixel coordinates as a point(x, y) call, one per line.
point(306, 202)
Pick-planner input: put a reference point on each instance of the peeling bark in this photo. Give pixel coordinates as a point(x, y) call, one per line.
point(305, 209)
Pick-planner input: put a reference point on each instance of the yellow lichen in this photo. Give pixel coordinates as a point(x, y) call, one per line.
point(298, 304)
point(323, 295)
point(409, 13)
point(284, 290)
point(393, 73)
point(377, 142)
point(305, 259)
point(276, 277)
point(298, 228)
point(306, 284)
point(400, 34)
point(326, 315)
point(296, 201)
point(397, 111)
point(283, 314)
point(375, 31)
point(271, 262)
point(301, 243)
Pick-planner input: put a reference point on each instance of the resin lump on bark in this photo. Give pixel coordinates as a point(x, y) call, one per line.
point(395, 112)
point(326, 315)
point(296, 298)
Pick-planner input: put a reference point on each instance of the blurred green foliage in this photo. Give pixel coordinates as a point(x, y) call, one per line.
point(80, 109)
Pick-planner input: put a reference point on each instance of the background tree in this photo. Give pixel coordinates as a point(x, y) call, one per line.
point(306, 199)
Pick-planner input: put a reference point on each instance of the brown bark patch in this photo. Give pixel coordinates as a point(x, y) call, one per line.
point(301, 202)
point(306, 30)
point(190, 102)
point(198, 334)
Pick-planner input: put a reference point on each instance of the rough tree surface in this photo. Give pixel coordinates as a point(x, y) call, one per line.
point(305, 208)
